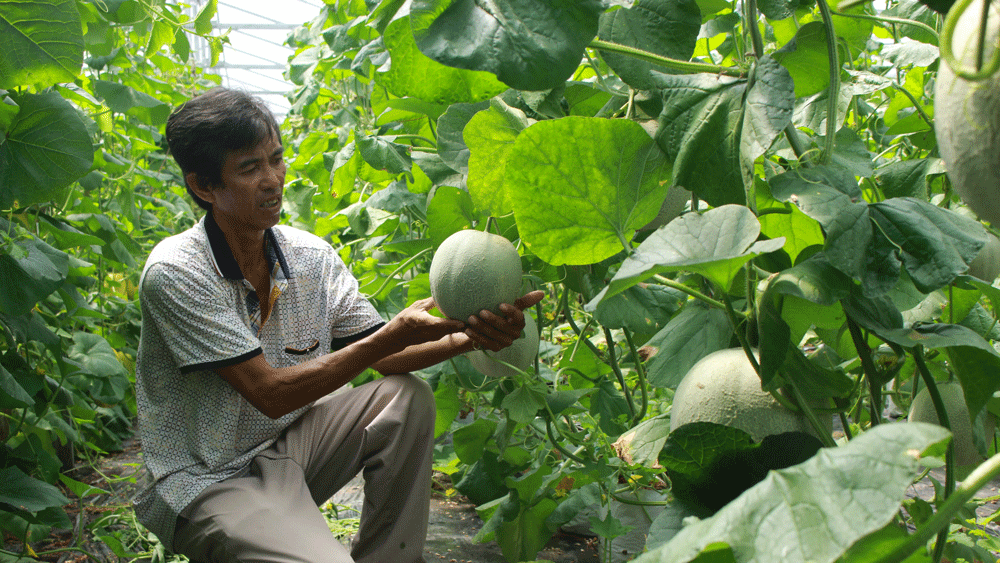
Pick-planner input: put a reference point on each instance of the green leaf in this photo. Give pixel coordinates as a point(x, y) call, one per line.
point(414, 74)
point(382, 154)
point(806, 59)
point(203, 23)
point(822, 192)
point(81, 490)
point(778, 9)
point(26, 493)
point(93, 353)
point(527, 44)
point(448, 406)
point(524, 403)
point(577, 202)
point(699, 130)
point(642, 309)
point(817, 510)
point(449, 211)
point(936, 244)
point(609, 528)
point(977, 369)
point(715, 244)
point(41, 43)
point(641, 445)
point(46, 148)
point(470, 440)
point(664, 27)
point(611, 408)
point(490, 136)
point(451, 145)
point(30, 274)
point(12, 395)
point(769, 106)
point(125, 99)
point(558, 401)
point(690, 336)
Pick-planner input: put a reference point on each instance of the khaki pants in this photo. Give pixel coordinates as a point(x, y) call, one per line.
point(384, 428)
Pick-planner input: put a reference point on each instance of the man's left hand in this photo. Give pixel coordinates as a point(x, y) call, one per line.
point(495, 332)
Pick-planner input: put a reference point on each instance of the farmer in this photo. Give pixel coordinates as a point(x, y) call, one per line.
point(248, 328)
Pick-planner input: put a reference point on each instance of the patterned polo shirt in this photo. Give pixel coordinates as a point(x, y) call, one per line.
point(199, 314)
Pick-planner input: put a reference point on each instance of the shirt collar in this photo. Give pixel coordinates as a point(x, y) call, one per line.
point(222, 255)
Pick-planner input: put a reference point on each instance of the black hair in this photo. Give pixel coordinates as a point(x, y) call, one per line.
point(204, 130)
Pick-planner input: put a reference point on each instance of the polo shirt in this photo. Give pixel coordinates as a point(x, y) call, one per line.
point(200, 314)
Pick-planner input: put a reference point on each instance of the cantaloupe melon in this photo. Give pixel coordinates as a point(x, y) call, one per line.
point(986, 266)
point(922, 410)
point(521, 354)
point(474, 270)
point(967, 117)
point(724, 388)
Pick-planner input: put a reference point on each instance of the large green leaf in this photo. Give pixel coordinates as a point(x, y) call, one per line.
point(817, 510)
point(12, 395)
point(690, 336)
point(95, 355)
point(769, 106)
point(700, 129)
point(715, 244)
point(936, 244)
point(411, 73)
point(29, 271)
point(123, 98)
point(527, 44)
point(575, 201)
point(45, 150)
point(490, 136)
point(41, 43)
point(26, 493)
point(806, 59)
point(451, 146)
point(664, 27)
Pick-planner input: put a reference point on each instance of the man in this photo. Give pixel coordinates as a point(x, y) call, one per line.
point(241, 434)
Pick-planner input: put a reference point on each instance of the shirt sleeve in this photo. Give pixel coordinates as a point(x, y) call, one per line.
point(199, 318)
point(353, 315)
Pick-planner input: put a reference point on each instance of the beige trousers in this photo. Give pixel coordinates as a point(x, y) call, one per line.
point(384, 428)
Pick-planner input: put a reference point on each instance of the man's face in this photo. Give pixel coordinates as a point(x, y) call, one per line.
point(253, 180)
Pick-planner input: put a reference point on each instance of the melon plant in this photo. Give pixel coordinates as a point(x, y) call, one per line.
point(521, 354)
point(922, 410)
point(967, 116)
point(474, 270)
point(723, 388)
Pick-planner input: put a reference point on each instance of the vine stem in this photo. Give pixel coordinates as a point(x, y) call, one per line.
point(690, 291)
point(675, 64)
point(833, 92)
point(889, 19)
point(618, 372)
point(641, 371)
point(949, 458)
point(947, 48)
point(824, 434)
point(868, 366)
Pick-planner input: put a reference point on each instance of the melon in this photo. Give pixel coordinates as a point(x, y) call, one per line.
point(986, 266)
point(967, 118)
point(473, 270)
point(723, 388)
point(521, 354)
point(922, 410)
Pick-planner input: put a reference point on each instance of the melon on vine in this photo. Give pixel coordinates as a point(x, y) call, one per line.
point(521, 354)
point(922, 410)
point(967, 117)
point(474, 270)
point(724, 388)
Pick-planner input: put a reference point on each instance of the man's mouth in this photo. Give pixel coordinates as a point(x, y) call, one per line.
point(271, 202)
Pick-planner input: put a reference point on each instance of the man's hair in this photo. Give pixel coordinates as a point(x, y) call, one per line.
point(204, 130)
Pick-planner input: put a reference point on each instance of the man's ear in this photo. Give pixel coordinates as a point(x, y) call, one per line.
point(200, 189)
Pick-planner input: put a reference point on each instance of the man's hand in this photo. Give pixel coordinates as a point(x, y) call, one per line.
point(415, 325)
point(495, 332)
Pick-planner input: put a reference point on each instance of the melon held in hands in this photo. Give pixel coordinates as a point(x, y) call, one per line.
point(472, 271)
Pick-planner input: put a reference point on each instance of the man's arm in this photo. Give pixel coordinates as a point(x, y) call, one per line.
point(412, 340)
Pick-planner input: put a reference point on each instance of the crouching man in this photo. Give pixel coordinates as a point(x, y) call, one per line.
point(248, 327)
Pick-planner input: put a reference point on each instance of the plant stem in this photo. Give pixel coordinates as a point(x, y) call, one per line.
point(613, 362)
point(949, 458)
point(674, 64)
point(824, 435)
point(690, 291)
point(834, 90)
point(641, 371)
point(983, 71)
point(889, 19)
point(920, 111)
point(579, 334)
point(865, 355)
point(751, 18)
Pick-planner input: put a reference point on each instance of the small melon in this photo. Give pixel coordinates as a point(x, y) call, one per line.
point(520, 354)
point(473, 270)
point(986, 266)
point(724, 388)
point(922, 410)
